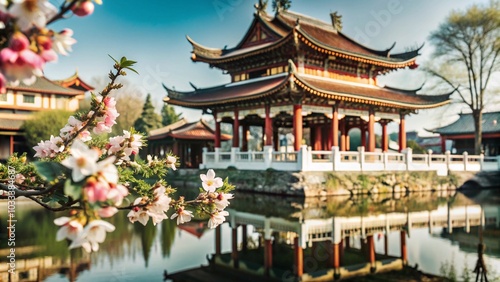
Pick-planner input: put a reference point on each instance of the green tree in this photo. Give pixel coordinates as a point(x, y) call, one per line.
point(467, 47)
point(148, 119)
point(44, 124)
point(168, 115)
point(416, 148)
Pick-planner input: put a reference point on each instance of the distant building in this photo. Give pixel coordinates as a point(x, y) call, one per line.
point(183, 139)
point(20, 102)
point(461, 132)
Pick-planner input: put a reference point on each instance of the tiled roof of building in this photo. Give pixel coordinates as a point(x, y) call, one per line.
point(312, 32)
point(227, 93)
point(198, 130)
point(10, 124)
point(332, 89)
point(465, 125)
point(75, 82)
point(44, 85)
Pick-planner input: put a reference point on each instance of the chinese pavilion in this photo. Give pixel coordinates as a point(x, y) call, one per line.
point(461, 132)
point(292, 71)
point(185, 140)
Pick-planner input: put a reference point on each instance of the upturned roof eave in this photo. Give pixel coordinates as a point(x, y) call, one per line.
point(357, 56)
point(174, 99)
point(357, 98)
point(268, 46)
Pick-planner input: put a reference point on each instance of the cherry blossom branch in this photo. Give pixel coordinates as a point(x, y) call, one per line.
point(19, 193)
point(65, 207)
point(63, 9)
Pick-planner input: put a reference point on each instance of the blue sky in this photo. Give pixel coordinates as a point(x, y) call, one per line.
point(153, 32)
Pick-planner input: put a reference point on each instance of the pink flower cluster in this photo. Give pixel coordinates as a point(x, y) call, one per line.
point(210, 183)
point(155, 209)
point(49, 148)
point(106, 118)
point(124, 146)
point(31, 44)
point(73, 126)
point(101, 178)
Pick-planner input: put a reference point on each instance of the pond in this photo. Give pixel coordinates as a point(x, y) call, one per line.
point(137, 253)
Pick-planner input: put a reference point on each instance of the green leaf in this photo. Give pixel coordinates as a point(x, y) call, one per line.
point(113, 59)
point(72, 190)
point(49, 170)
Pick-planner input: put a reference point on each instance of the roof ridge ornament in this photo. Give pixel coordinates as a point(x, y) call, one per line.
point(336, 21)
point(261, 7)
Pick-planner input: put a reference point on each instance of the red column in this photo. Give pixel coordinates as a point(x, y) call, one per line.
point(443, 144)
point(297, 126)
point(317, 138)
point(329, 139)
point(11, 145)
point(298, 258)
point(343, 134)
point(363, 137)
point(217, 131)
point(371, 131)
point(336, 255)
point(404, 254)
point(217, 240)
point(244, 137)
point(268, 256)
point(236, 130)
point(335, 125)
point(234, 241)
point(385, 137)
point(371, 250)
point(402, 133)
point(268, 127)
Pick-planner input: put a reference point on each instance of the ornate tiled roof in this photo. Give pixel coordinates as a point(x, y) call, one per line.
point(369, 94)
point(75, 82)
point(228, 93)
point(254, 90)
point(312, 32)
point(10, 124)
point(198, 130)
point(44, 85)
point(465, 125)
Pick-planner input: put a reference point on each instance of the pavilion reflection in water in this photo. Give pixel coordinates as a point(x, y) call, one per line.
point(323, 239)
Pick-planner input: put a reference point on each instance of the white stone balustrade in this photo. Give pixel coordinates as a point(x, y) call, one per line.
point(307, 160)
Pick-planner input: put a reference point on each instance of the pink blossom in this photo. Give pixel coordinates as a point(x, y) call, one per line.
point(210, 182)
point(107, 211)
point(83, 9)
point(96, 190)
point(117, 193)
point(19, 62)
point(182, 215)
point(49, 148)
point(91, 235)
point(62, 41)
point(70, 228)
point(31, 13)
point(217, 218)
point(222, 200)
point(3, 84)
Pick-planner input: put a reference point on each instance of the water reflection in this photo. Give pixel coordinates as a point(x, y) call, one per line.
point(135, 252)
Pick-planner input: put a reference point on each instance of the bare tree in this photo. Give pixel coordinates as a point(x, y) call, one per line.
point(129, 103)
point(466, 56)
